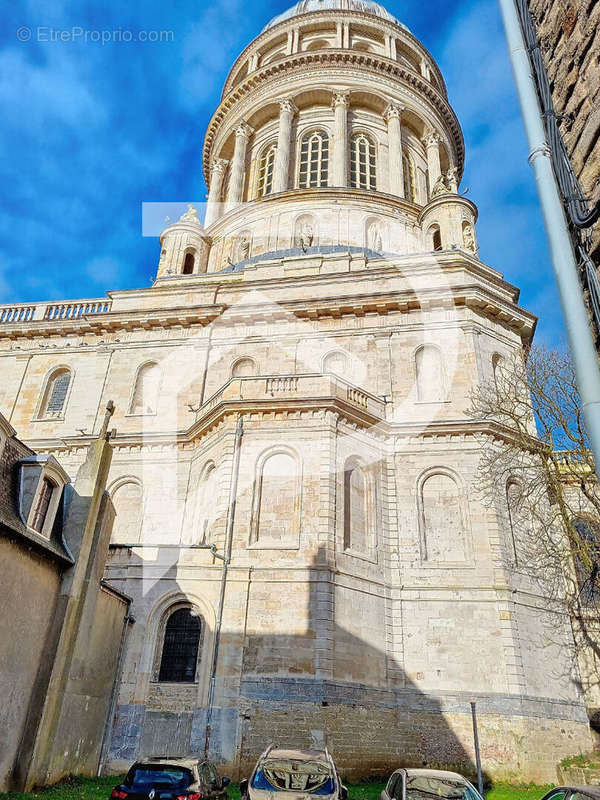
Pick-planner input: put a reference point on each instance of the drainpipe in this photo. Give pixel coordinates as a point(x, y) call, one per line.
point(581, 340)
point(226, 561)
point(127, 623)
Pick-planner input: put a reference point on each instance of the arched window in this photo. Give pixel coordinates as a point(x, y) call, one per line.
point(55, 396)
point(363, 162)
point(265, 172)
point(145, 394)
point(435, 238)
point(244, 368)
point(409, 178)
point(355, 508)
point(443, 528)
point(336, 363)
point(189, 263)
point(314, 160)
point(587, 560)
point(431, 383)
point(127, 499)
point(278, 500)
point(181, 646)
point(42, 507)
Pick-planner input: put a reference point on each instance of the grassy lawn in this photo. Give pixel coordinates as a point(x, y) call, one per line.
point(100, 789)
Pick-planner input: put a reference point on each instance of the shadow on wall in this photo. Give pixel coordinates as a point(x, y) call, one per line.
point(307, 671)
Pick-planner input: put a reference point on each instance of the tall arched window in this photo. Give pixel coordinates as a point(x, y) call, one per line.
point(265, 172)
point(314, 160)
point(514, 502)
point(278, 500)
point(431, 382)
point(363, 162)
point(409, 178)
point(189, 263)
point(206, 513)
point(355, 508)
point(181, 646)
point(55, 396)
point(145, 394)
point(443, 529)
point(127, 499)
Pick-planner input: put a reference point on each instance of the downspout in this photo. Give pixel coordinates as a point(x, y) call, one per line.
point(108, 728)
point(581, 340)
point(227, 560)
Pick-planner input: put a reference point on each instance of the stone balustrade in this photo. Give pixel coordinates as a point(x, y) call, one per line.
point(294, 387)
point(47, 312)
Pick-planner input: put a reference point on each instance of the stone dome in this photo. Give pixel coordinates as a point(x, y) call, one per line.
point(308, 6)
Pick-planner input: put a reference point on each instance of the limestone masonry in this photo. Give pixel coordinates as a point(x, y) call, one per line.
point(308, 352)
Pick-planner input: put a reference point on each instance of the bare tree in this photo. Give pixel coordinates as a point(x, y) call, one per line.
point(540, 466)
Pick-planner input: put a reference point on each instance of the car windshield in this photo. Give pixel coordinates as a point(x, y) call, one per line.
point(420, 787)
point(159, 777)
point(311, 777)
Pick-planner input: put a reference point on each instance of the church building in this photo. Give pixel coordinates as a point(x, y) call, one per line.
point(295, 470)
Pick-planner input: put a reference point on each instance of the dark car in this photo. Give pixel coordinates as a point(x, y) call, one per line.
point(573, 793)
point(172, 779)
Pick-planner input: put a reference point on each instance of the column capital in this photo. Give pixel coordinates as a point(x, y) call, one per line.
point(245, 130)
point(219, 165)
point(341, 99)
point(432, 139)
point(393, 111)
point(287, 106)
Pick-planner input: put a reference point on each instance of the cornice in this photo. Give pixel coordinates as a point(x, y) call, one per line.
point(390, 434)
point(338, 15)
point(344, 58)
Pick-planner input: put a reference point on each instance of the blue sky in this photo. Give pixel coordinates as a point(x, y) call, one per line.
point(90, 132)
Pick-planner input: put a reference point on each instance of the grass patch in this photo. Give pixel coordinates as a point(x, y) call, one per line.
point(100, 789)
point(589, 761)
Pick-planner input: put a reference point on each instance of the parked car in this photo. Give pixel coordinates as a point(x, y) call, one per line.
point(301, 774)
point(172, 779)
point(423, 784)
point(574, 793)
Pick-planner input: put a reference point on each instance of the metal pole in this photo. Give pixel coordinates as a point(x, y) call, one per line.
point(477, 750)
point(226, 561)
point(581, 340)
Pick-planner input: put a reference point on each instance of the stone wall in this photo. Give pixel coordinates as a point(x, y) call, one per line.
point(569, 31)
point(30, 585)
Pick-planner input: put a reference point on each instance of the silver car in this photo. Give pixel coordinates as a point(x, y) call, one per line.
point(425, 784)
point(294, 775)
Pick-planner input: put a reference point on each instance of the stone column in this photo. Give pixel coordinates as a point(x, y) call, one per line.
point(425, 71)
point(287, 109)
point(254, 60)
point(238, 165)
point(432, 143)
point(393, 117)
point(217, 173)
point(340, 143)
